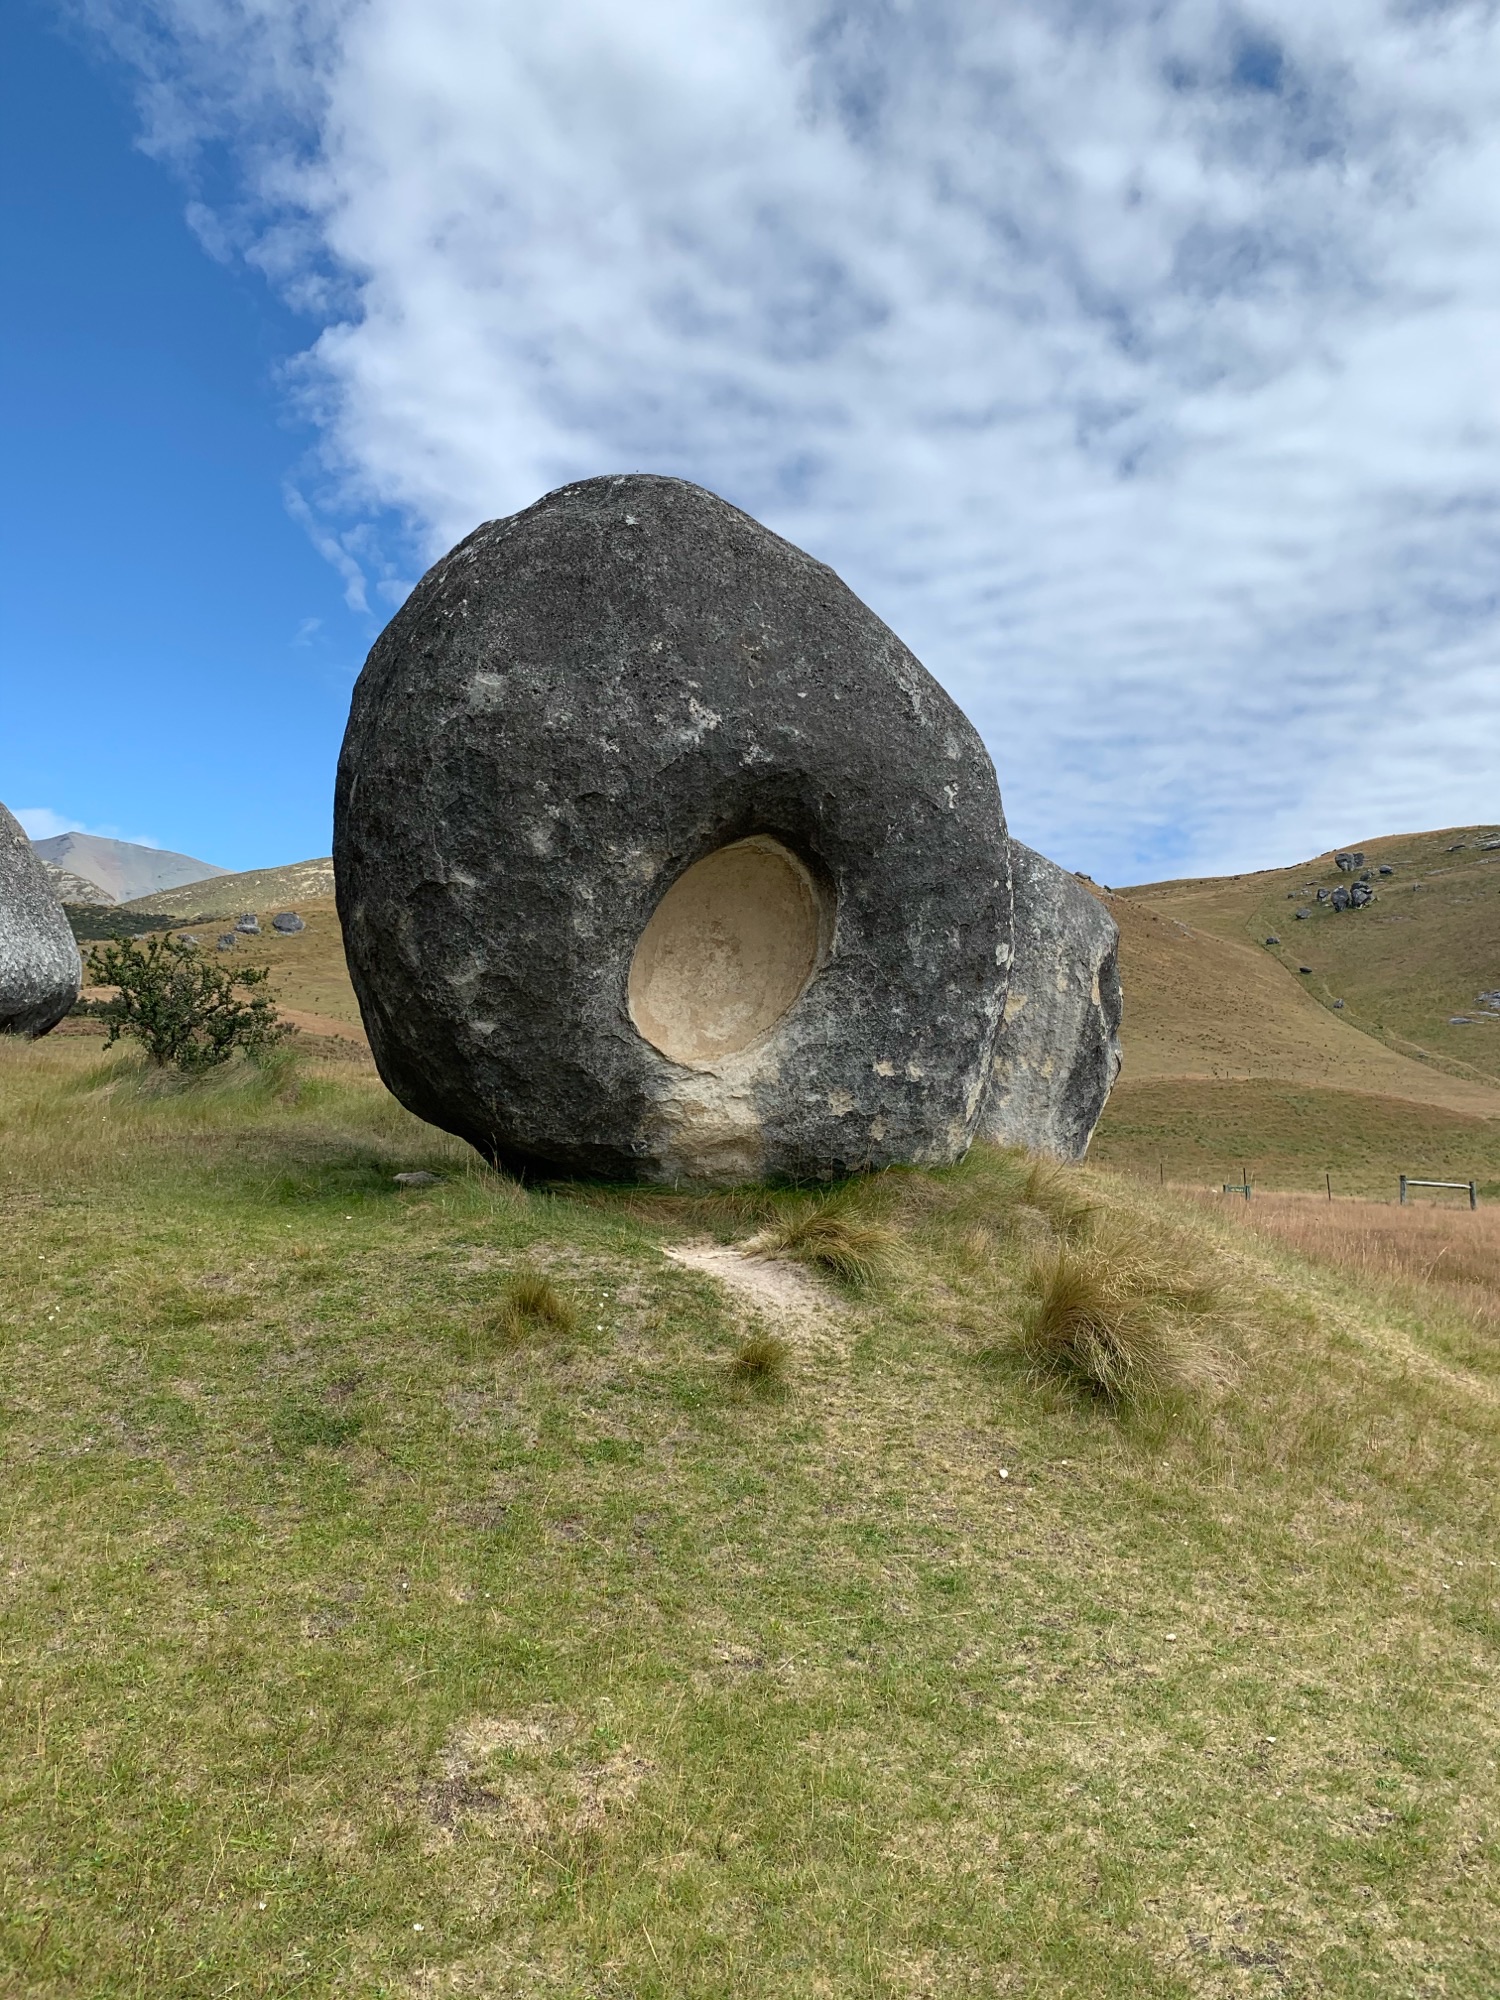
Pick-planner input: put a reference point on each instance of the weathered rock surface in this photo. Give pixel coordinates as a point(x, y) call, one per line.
point(1058, 1051)
point(1348, 862)
point(659, 855)
point(249, 924)
point(287, 922)
point(40, 972)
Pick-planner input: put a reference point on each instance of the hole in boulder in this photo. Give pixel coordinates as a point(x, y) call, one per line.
point(729, 951)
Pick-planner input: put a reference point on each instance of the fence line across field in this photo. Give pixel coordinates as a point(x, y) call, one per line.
point(1408, 1181)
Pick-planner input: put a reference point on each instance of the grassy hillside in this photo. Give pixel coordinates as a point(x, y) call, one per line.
point(1234, 1057)
point(355, 1645)
point(1422, 952)
point(264, 890)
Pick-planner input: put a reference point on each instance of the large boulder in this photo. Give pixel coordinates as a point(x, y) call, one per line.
point(40, 973)
point(1058, 1053)
point(659, 855)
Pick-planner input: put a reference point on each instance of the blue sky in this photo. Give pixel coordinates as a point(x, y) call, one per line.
point(176, 655)
point(1139, 363)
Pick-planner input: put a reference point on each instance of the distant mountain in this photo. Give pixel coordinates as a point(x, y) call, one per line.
point(122, 868)
point(259, 889)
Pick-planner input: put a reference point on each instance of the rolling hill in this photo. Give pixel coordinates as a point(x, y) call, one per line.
point(1234, 1057)
point(258, 889)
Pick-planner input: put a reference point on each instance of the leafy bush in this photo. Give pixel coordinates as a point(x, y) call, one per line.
point(185, 1010)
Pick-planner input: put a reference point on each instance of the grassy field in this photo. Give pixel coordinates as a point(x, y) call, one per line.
point(356, 1644)
point(1290, 1136)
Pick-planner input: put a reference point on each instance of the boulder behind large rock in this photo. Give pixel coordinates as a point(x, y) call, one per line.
point(40, 973)
point(1058, 1051)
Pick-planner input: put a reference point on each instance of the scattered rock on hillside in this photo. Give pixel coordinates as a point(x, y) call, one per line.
point(1340, 898)
point(1324, 894)
point(419, 1178)
point(1490, 999)
point(1273, 940)
point(249, 924)
point(1058, 1051)
point(1386, 868)
point(746, 909)
point(1360, 894)
point(226, 941)
point(1348, 862)
point(40, 971)
point(288, 922)
point(1304, 968)
point(1338, 1004)
point(1300, 914)
point(71, 888)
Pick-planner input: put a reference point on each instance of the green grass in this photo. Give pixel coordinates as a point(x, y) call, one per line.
point(344, 1655)
point(1289, 1136)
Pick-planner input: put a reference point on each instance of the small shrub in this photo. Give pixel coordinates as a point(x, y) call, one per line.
point(831, 1234)
point(181, 1006)
point(762, 1361)
point(1106, 1316)
point(530, 1305)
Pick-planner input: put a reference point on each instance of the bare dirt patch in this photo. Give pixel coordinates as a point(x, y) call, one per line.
point(778, 1290)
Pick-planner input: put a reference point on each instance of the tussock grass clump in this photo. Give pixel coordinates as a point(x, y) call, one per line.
point(761, 1362)
point(1053, 1193)
point(531, 1306)
point(832, 1234)
point(1110, 1314)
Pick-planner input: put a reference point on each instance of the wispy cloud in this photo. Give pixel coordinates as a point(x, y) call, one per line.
point(44, 823)
point(1140, 365)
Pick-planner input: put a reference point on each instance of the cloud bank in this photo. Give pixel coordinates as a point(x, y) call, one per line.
point(1138, 364)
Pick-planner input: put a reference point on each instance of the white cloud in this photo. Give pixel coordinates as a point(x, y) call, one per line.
point(1138, 364)
point(44, 823)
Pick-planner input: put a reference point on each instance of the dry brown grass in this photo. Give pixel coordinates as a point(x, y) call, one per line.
point(833, 1233)
point(1441, 1246)
point(1113, 1313)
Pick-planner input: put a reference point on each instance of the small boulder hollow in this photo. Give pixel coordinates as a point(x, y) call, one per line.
point(659, 856)
point(40, 972)
point(1058, 1051)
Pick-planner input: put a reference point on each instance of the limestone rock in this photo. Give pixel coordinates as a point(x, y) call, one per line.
point(1058, 1052)
point(40, 972)
point(226, 941)
point(658, 855)
point(287, 922)
point(249, 924)
point(1349, 862)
